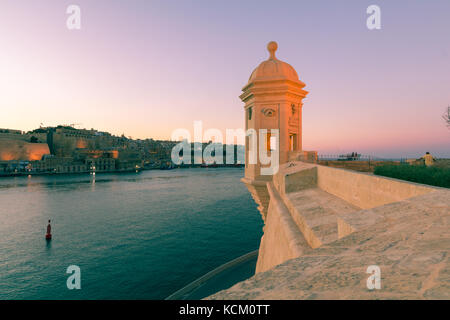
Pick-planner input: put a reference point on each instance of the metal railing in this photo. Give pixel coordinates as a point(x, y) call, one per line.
point(356, 157)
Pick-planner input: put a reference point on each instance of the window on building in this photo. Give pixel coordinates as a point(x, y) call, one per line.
point(271, 142)
point(292, 142)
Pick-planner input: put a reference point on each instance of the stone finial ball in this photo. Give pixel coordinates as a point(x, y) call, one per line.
point(272, 46)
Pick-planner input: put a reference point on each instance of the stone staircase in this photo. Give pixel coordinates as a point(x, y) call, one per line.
point(315, 212)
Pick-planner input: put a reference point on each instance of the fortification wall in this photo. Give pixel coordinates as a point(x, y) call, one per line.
point(281, 240)
point(306, 202)
point(410, 244)
point(362, 166)
point(364, 190)
point(14, 149)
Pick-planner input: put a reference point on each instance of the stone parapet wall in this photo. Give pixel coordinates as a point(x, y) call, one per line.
point(307, 206)
point(362, 166)
point(408, 240)
point(366, 191)
point(282, 240)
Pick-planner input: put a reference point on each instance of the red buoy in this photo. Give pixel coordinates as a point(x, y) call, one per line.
point(48, 236)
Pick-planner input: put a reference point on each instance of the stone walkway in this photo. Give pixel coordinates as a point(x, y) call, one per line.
point(409, 240)
point(315, 212)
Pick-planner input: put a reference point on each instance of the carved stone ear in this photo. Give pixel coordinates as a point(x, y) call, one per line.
point(268, 112)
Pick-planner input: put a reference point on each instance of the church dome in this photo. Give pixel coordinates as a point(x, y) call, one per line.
point(273, 69)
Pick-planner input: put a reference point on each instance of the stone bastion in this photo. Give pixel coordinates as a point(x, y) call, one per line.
point(325, 226)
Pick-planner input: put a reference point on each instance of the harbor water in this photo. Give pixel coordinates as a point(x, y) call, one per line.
point(134, 236)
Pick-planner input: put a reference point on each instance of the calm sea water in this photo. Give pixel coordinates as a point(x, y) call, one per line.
point(134, 236)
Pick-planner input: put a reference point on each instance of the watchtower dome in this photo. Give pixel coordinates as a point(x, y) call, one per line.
point(274, 69)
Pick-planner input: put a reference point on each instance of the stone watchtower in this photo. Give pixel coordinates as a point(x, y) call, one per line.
point(273, 100)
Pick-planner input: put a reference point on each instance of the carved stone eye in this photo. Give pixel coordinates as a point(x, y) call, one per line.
point(268, 112)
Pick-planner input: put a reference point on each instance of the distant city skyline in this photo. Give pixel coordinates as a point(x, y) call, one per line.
point(146, 68)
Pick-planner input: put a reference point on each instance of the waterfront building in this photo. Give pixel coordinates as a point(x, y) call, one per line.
point(64, 149)
point(14, 166)
point(10, 131)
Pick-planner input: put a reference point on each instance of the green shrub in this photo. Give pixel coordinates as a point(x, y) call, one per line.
point(434, 176)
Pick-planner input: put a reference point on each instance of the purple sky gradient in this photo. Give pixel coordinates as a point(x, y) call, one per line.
point(145, 68)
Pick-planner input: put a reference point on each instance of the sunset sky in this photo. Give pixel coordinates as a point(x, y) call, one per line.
point(146, 68)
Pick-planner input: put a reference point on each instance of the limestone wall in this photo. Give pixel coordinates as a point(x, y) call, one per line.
point(14, 149)
point(281, 240)
point(410, 244)
point(363, 166)
point(259, 193)
point(360, 220)
point(307, 200)
point(364, 190)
